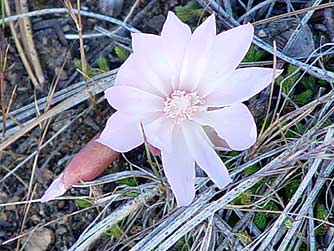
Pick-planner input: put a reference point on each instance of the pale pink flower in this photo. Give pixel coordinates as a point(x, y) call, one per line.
point(176, 86)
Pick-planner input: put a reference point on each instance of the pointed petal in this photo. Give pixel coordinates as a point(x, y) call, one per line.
point(175, 39)
point(149, 52)
point(203, 153)
point(122, 133)
point(56, 189)
point(234, 124)
point(229, 48)
point(180, 170)
point(241, 85)
point(133, 74)
point(197, 55)
point(133, 100)
point(159, 132)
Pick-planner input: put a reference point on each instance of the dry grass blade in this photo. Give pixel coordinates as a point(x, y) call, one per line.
point(90, 236)
point(28, 42)
point(93, 88)
point(20, 49)
point(307, 179)
point(75, 11)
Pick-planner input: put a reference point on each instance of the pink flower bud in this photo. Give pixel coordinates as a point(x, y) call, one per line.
point(86, 165)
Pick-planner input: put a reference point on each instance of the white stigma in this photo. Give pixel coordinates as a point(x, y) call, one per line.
point(182, 105)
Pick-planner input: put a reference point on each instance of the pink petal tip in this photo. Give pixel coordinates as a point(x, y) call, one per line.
point(56, 189)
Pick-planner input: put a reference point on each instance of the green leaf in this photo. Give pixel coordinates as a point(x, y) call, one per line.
point(188, 12)
point(244, 236)
point(260, 220)
point(321, 213)
point(82, 203)
point(103, 64)
point(115, 231)
point(131, 182)
point(289, 83)
point(244, 198)
point(290, 189)
point(304, 97)
point(288, 223)
point(251, 170)
point(254, 55)
point(310, 84)
point(121, 53)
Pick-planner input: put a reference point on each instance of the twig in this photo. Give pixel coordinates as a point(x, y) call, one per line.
point(309, 201)
point(307, 179)
point(293, 13)
point(75, 11)
point(20, 49)
point(120, 213)
point(78, 25)
point(28, 42)
point(70, 102)
point(298, 29)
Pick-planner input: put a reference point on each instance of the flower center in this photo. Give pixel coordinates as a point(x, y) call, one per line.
point(182, 105)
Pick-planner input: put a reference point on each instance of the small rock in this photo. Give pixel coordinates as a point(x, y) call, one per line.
point(40, 240)
point(111, 7)
point(3, 216)
point(61, 204)
point(262, 34)
point(61, 230)
point(35, 218)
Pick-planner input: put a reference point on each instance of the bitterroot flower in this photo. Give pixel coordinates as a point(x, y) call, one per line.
point(176, 87)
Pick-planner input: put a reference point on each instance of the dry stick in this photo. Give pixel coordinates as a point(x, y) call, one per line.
point(27, 40)
point(3, 88)
point(293, 13)
point(295, 198)
point(312, 240)
point(70, 102)
point(75, 11)
point(20, 50)
point(22, 113)
point(119, 214)
point(78, 25)
point(307, 204)
point(303, 22)
point(255, 8)
point(172, 223)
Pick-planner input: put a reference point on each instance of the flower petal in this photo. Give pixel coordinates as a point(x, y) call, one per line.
point(149, 52)
point(197, 55)
point(240, 85)
point(159, 132)
point(229, 49)
point(133, 74)
point(234, 124)
point(55, 190)
point(203, 153)
point(122, 133)
point(133, 100)
point(175, 39)
point(179, 169)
